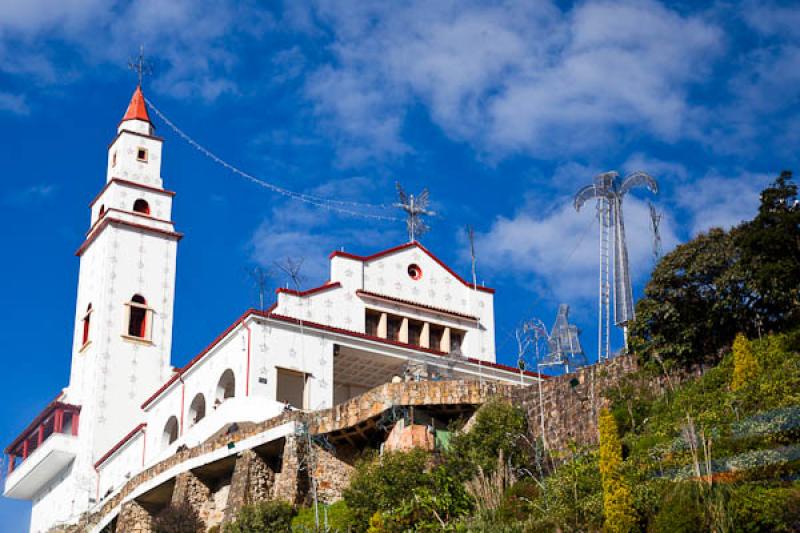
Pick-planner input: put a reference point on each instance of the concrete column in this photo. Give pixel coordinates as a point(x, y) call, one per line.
point(444, 345)
point(403, 335)
point(382, 326)
point(425, 336)
point(133, 518)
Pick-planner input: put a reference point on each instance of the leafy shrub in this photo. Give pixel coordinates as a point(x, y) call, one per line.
point(755, 508)
point(180, 518)
point(263, 516)
point(400, 490)
point(745, 366)
point(617, 498)
point(572, 496)
point(340, 518)
point(499, 428)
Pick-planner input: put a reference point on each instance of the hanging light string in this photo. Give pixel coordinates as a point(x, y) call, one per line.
point(344, 207)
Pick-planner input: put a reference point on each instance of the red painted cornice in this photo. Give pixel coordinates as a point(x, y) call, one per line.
point(369, 258)
point(110, 220)
point(410, 303)
point(120, 444)
point(309, 291)
point(132, 184)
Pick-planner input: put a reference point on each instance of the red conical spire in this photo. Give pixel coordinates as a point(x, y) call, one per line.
point(137, 109)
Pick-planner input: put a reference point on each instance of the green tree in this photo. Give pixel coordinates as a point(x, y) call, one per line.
point(620, 516)
point(769, 247)
point(723, 282)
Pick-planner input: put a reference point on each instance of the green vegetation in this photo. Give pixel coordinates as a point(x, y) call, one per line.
point(746, 280)
point(264, 516)
point(617, 499)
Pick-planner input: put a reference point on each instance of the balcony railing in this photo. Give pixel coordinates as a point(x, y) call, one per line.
point(56, 418)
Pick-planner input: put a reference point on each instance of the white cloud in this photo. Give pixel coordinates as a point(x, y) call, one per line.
point(14, 103)
point(556, 254)
point(296, 230)
point(45, 42)
point(723, 202)
point(30, 195)
point(514, 77)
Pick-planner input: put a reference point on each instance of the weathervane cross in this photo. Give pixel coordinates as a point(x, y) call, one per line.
point(140, 65)
point(415, 208)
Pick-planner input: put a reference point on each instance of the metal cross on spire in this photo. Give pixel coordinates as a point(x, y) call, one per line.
point(415, 208)
point(140, 65)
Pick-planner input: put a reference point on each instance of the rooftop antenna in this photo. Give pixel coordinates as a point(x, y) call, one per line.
point(415, 208)
point(655, 225)
point(471, 236)
point(260, 277)
point(609, 189)
point(291, 267)
point(140, 65)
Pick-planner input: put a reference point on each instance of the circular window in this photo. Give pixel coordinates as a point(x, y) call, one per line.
point(414, 272)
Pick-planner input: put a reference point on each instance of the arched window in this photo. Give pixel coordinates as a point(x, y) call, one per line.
point(226, 387)
point(197, 409)
point(86, 320)
point(141, 206)
point(170, 432)
point(137, 317)
point(101, 212)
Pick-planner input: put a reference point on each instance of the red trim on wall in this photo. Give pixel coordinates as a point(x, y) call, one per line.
point(110, 209)
point(409, 303)
point(132, 184)
point(117, 136)
point(49, 408)
point(194, 360)
point(321, 288)
point(119, 445)
point(247, 371)
point(107, 221)
point(368, 258)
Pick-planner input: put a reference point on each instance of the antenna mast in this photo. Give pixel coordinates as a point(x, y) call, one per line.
point(471, 236)
point(140, 65)
point(655, 225)
point(415, 208)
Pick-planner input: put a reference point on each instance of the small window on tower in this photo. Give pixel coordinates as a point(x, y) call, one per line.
point(138, 317)
point(114, 159)
point(86, 321)
point(141, 155)
point(141, 206)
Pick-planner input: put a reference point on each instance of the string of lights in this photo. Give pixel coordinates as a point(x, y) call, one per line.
point(345, 207)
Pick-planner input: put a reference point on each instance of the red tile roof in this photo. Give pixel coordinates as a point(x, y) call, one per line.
point(137, 109)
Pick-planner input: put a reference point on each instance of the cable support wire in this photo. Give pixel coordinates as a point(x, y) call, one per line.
point(345, 207)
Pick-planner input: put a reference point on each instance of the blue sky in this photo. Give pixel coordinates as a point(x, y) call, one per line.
point(502, 109)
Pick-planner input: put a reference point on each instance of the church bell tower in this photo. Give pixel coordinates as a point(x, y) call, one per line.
point(126, 287)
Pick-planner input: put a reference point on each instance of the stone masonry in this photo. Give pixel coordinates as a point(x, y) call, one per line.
point(253, 481)
point(133, 518)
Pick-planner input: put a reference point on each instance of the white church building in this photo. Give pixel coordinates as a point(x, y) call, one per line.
point(396, 314)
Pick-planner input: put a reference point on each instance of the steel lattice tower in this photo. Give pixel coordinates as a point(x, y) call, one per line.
point(614, 277)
